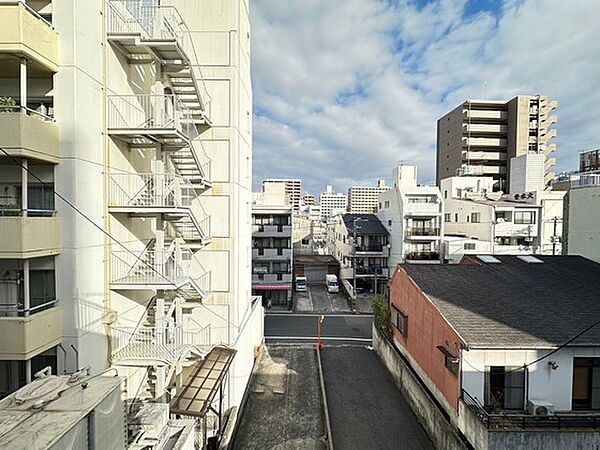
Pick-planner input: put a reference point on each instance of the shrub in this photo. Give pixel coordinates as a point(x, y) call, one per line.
point(381, 313)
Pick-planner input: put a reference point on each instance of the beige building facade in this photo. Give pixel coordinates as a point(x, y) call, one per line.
point(139, 116)
point(365, 199)
point(293, 189)
point(481, 137)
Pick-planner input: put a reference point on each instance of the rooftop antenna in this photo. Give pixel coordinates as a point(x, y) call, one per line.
point(485, 90)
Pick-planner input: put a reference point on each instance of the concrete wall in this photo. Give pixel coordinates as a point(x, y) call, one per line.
point(438, 427)
point(551, 440)
point(582, 214)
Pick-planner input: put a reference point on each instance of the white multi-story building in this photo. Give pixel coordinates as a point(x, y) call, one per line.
point(473, 211)
point(581, 232)
point(413, 217)
point(142, 123)
point(272, 253)
point(332, 203)
point(364, 199)
point(293, 189)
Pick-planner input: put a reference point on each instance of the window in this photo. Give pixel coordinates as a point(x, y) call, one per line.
point(469, 246)
point(281, 267)
point(475, 217)
point(399, 321)
point(451, 364)
point(456, 217)
point(305, 241)
point(503, 216)
point(524, 217)
point(447, 217)
point(279, 277)
point(505, 387)
point(390, 223)
point(387, 204)
point(468, 218)
point(586, 383)
point(445, 194)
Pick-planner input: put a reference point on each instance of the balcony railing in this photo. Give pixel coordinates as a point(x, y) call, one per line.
point(150, 112)
point(17, 310)
point(511, 421)
point(150, 190)
point(373, 248)
point(422, 256)
point(422, 231)
point(370, 270)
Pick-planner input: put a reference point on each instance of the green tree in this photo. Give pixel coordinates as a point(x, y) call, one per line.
point(381, 312)
point(7, 101)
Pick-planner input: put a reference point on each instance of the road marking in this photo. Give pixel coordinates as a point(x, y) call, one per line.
point(324, 338)
point(312, 307)
point(315, 315)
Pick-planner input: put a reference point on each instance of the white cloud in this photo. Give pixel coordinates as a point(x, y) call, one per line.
point(344, 89)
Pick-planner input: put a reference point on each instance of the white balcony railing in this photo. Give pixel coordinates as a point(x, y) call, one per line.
point(170, 345)
point(156, 22)
point(150, 190)
point(150, 112)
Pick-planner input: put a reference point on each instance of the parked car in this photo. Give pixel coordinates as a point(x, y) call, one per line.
point(332, 284)
point(301, 284)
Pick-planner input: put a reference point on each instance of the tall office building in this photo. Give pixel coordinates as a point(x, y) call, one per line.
point(481, 137)
point(332, 203)
point(589, 161)
point(365, 199)
point(293, 189)
point(139, 115)
point(308, 199)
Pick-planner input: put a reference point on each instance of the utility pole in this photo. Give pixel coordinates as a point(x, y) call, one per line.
point(354, 303)
point(555, 238)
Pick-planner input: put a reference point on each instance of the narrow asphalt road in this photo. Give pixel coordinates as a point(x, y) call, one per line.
point(367, 411)
point(336, 328)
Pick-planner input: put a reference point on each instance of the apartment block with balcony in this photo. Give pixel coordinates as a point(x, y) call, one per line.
point(413, 217)
point(272, 251)
point(30, 314)
point(293, 189)
point(360, 244)
point(143, 261)
point(499, 357)
point(510, 226)
point(481, 137)
point(332, 203)
point(364, 199)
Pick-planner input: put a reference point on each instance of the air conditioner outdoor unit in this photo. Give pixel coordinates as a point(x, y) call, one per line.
point(540, 407)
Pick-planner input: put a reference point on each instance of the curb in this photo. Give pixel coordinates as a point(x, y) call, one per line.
point(325, 406)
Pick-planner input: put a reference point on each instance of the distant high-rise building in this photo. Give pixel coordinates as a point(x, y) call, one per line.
point(364, 199)
point(293, 189)
point(308, 199)
point(332, 203)
point(481, 137)
point(589, 161)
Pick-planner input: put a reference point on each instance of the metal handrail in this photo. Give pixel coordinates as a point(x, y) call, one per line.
point(150, 189)
point(151, 111)
point(29, 9)
point(12, 308)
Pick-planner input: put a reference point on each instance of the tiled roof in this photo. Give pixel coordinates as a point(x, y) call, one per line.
point(515, 303)
point(367, 224)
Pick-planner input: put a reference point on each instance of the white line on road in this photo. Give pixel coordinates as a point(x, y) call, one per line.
point(324, 338)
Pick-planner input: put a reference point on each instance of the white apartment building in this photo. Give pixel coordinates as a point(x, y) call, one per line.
point(473, 211)
point(364, 199)
point(581, 232)
point(413, 217)
point(272, 252)
point(332, 203)
point(293, 189)
point(139, 115)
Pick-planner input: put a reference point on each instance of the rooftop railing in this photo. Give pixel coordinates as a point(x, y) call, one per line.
point(519, 420)
point(586, 180)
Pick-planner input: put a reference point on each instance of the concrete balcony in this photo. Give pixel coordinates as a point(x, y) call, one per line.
point(29, 136)
point(422, 209)
point(274, 254)
point(25, 34)
point(485, 128)
point(272, 230)
point(550, 162)
point(484, 142)
point(549, 135)
point(29, 237)
point(484, 156)
point(23, 338)
point(550, 148)
point(493, 170)
point(422, 233)
point(374, 250)
point(511, 229)
point(486, 114)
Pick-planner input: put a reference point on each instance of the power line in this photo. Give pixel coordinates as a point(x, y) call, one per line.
point(102, 230)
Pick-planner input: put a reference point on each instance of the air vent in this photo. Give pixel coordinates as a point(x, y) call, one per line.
point(530, 259)
point(488, 259)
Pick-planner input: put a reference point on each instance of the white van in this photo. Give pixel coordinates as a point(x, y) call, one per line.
point(331, 282)
point(301, 284)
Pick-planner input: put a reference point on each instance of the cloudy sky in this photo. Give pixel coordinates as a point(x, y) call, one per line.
point(346, 89)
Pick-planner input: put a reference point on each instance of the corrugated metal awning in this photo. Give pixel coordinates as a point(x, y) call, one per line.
point(203, 383)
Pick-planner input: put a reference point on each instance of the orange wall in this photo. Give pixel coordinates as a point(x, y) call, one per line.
point(426, 329)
